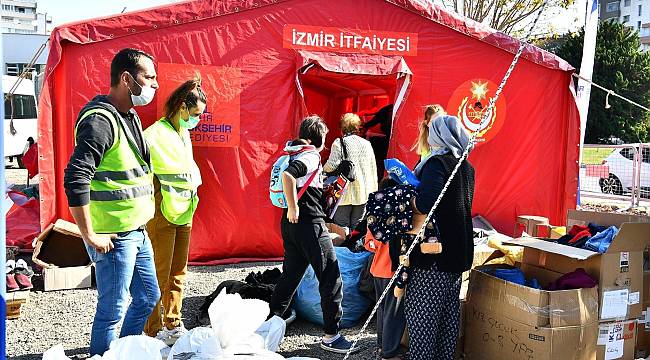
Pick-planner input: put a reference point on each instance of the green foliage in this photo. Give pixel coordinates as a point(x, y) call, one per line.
point(620, 66)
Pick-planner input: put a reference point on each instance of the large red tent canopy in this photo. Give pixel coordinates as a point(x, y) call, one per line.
point(267, 63)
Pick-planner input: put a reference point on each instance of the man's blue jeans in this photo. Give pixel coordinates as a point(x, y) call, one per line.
point(128, 268)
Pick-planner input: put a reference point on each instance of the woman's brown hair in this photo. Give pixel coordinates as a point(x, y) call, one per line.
point(189, 93)
point(422, 144)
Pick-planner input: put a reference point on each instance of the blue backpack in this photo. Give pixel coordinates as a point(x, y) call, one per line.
point(276, 189)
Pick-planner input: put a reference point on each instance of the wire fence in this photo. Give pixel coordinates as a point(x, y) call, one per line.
point(618, 172)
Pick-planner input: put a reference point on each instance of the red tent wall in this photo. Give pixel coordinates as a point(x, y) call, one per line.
point(530, 166)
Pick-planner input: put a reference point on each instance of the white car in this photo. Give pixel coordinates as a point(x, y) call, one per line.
point(621, 172)
point(20, 122)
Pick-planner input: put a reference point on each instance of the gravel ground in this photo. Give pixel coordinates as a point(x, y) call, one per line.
point(66, 316)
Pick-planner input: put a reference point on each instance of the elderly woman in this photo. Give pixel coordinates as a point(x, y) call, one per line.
point(359, 151)
point(432, 304)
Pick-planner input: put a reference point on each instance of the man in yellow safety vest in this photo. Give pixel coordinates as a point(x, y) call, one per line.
point(108, 182)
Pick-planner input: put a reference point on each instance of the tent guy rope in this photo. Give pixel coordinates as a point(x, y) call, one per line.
point(464, 156)
point(611, 92)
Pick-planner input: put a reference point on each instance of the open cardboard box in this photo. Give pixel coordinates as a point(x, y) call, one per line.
point(530, 306)
point(490, 335)
point(60, 251)
point(619, 271)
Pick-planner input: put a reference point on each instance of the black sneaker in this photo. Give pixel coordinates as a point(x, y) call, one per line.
point(339, 346)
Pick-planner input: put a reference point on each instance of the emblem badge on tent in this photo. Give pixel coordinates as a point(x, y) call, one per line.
point(471, 100)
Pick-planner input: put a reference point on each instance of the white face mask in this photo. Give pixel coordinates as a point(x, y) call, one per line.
point(146, 94)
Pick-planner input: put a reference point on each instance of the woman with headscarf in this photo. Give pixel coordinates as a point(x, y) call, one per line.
point(432, 296)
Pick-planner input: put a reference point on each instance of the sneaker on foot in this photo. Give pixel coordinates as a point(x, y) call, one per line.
point(340, 345)
point(12, 285)
point(169, 337)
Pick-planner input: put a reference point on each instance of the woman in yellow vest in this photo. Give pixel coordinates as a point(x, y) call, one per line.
point(176, 181)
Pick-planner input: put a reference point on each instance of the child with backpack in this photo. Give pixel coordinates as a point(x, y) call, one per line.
point(305, 237)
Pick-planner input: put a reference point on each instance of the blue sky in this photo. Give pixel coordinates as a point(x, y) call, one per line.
point(65, 11)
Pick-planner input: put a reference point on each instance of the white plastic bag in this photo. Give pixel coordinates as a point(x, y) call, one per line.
point(234, 319)
point(139, 347)
point(55, 353)
point(200, 341)
point(272, 331)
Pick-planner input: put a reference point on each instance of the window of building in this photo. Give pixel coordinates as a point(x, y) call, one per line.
point(626, 18)
point(22, 10)
point(627, 3)
point(640, 10)
point(612, 6)
point(638, 25)
point(24, 107)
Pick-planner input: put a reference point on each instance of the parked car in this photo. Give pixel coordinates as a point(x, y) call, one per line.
point(621, 172)
point(20, 121)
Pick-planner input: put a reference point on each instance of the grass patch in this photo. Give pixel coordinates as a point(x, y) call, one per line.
point(595, 155)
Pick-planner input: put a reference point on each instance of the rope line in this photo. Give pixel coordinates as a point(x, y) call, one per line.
point(470, 145)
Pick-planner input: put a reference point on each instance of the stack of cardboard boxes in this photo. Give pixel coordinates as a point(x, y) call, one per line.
point(643, 330)
point(509, 321)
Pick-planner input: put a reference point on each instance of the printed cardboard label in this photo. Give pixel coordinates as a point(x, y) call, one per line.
point(634, 298)
point(614, 304)
point(625, 262)
point(615, 342)
point(603, 331)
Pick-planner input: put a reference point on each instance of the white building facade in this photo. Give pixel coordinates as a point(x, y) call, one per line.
point(22, 17)
point(634, 14)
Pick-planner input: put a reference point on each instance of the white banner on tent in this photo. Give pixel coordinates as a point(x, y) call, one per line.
point(587, 66)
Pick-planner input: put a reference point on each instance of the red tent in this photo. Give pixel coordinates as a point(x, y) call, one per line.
point(267, 63)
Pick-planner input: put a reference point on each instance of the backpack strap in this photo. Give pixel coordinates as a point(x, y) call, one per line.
point(345, 151)
point(304, 187)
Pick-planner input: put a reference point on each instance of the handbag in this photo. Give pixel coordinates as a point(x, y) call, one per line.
point(346, 168)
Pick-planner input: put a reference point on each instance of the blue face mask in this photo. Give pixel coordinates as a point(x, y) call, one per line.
point(190, 123)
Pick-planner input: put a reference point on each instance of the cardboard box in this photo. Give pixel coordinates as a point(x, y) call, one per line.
point(642, 349)
point(617, 339)
point(646, 289)
point(60, 251)
point(14, 301)
point(531, 306)
point(491, 335)
point(529, 224)
point(481, 254)
point(619, 271)
point(460, 344)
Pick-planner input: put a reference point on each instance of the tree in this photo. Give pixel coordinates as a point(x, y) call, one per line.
point(506, 16)
point(619, 65)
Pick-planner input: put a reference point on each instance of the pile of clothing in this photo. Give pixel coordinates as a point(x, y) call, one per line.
point(256, 286)
point(591, 237)
point(513, 275)
point(578, 279)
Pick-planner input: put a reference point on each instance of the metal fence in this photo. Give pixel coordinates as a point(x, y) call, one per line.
point(619, 172)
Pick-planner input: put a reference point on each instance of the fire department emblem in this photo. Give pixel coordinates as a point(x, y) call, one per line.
point(472, 100)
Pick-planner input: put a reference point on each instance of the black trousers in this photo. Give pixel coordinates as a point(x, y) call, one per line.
point(308, 243)
point(390, 320)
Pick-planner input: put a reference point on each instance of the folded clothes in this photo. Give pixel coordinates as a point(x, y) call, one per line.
point(570, 236)
point(578, 279)
point(601, 241)
point(591, 237)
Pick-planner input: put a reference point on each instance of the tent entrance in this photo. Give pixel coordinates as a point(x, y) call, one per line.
point(374, 92)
